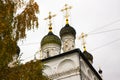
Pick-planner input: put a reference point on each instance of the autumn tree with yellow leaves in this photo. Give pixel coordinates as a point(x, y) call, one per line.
point(13, 27)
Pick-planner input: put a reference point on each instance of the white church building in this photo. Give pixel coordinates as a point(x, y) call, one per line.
point(71, 64)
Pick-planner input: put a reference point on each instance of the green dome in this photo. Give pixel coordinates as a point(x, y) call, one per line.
point(88, 56)
point(50, 38)
point(67, 29)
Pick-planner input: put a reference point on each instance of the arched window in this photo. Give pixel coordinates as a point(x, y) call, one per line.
point(83, 67)
point(89, 73)
point(47, 70)
point(66, 65)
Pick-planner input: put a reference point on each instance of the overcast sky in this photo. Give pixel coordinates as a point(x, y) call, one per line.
point(100, 19)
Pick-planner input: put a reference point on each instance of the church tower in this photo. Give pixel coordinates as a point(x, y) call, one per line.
point(50, 44)
point(67, 33)
point(85, 52)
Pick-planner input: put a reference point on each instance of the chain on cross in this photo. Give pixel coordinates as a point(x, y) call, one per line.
point(82, 36)
point(50, 22)
point(66, 10)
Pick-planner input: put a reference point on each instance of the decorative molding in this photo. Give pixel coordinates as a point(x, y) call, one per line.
point(71, 71)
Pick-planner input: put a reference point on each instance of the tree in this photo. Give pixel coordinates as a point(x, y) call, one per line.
point(29, 71)
point(13, 27)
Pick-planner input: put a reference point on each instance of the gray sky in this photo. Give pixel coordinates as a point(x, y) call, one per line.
point(100, 19)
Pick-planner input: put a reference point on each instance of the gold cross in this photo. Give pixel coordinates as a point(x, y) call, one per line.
point(82, 36)
point(50, 23)
point(66, 10)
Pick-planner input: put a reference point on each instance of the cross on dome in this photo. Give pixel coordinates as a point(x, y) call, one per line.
point(82, 36)
point(50, 22)
point(66, 12)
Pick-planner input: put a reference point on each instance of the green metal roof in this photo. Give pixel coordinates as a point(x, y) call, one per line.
point(50, 38)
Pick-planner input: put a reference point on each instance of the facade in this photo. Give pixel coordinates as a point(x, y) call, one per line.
point(71, 65)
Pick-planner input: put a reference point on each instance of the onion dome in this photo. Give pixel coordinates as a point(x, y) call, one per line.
point(100, 71)
point(50, 38)
point(88, 56)
point(67, 29)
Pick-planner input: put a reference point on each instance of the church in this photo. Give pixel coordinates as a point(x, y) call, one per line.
point(63, 61)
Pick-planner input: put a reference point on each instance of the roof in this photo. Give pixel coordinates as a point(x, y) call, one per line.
point(50, 38)
point(67, 29)
point(88, 56)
